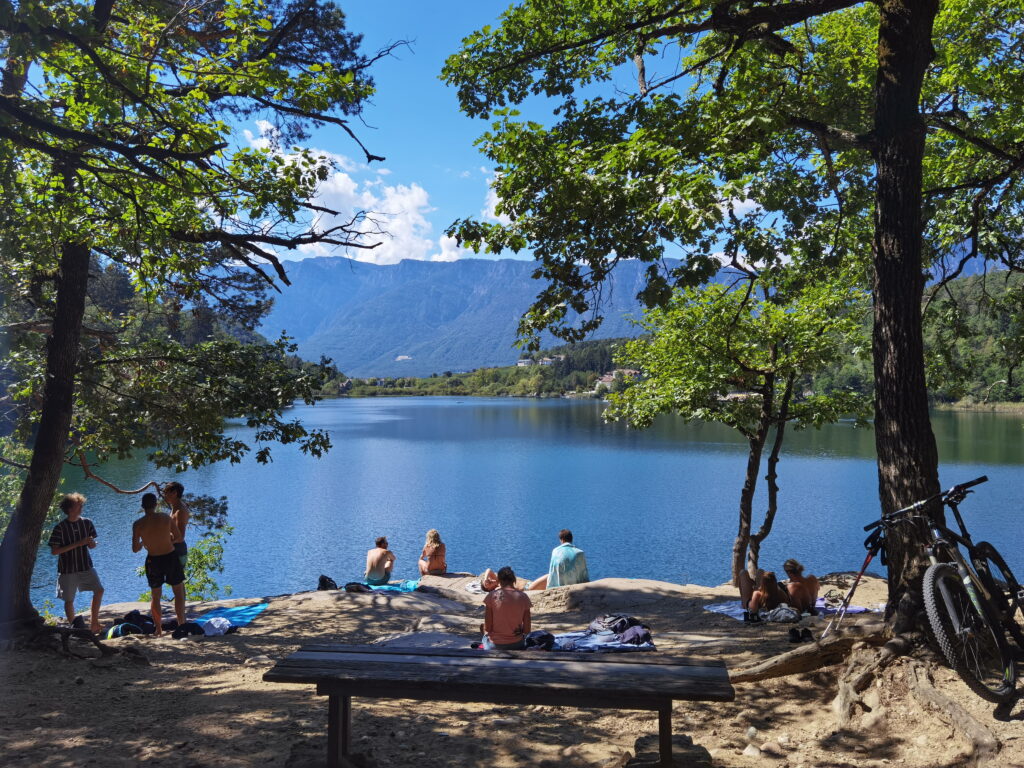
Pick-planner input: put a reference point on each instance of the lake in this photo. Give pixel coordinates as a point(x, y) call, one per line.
point(499, 477)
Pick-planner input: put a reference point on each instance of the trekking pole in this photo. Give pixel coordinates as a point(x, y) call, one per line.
point(874, 543)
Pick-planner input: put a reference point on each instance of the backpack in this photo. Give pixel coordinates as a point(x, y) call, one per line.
point(357, 586)
point(541, 640)
point(326, 582)
point(616, 623)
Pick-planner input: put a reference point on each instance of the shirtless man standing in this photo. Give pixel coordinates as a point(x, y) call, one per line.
point(379, 562)
point(180, 514)
point(156, 532)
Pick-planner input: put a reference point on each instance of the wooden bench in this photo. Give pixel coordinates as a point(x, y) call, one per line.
point(643, 680)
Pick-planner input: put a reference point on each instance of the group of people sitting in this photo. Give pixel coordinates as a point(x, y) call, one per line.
point(800, 592)
point(506, 607)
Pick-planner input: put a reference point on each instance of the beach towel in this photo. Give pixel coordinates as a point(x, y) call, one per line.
point(734, 609)
point(474, 588)
point(238, 615)
point(409, 585)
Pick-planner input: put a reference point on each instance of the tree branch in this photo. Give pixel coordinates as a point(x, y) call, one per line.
point(93, 476)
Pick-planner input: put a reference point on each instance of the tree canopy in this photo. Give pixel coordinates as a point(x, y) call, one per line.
point(744, 354)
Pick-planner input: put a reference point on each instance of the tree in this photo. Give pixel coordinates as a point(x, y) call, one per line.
point(117, 144)
point(748, 123)
point(740, 354)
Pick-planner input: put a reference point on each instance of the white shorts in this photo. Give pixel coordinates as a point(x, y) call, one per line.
point(68, 584)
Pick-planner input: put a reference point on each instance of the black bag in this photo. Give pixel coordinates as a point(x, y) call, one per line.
point(357, 586)
point(326, 582)
point(541, 640)
point(616, 623)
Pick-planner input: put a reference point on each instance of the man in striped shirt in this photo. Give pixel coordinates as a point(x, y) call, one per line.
point(70, 541)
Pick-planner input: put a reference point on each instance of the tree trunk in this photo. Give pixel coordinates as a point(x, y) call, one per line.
point(771, 479)
point(907, 455)
point(756, 443)
point(21, 541)
point(739, 547)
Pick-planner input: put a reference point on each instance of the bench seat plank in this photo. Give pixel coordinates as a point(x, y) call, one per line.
point(441, 675)
point(635, 657)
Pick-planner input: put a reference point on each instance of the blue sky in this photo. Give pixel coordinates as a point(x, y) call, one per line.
point(433, 173)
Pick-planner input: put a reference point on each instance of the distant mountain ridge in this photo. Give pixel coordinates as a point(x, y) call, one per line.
point(415, 318)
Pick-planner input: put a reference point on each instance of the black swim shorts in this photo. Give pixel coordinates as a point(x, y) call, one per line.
point(164, 569)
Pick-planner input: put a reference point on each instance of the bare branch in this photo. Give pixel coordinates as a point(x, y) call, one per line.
point(93, 476)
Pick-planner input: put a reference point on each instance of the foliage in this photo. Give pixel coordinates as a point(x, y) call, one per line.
point(567, 369)
point(124, 143)
point(747, 130)
point(11, 480)
point(975, 339)
point(724, 354)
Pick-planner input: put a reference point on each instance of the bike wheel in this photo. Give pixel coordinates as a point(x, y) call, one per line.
point(974, 648)
point(1004, 587)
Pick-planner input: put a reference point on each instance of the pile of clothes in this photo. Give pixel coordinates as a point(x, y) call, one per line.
point(137, 623)
point(613, 633)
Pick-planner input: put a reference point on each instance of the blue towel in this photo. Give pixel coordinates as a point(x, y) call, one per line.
point(409, 585)
point(239, 615)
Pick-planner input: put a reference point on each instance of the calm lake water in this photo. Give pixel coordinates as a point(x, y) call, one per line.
point(498, 478)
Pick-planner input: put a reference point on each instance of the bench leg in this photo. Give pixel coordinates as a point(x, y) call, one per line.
point(665, 734)
point(339, 729)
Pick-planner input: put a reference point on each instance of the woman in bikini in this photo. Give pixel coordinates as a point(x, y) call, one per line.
point(432, 559)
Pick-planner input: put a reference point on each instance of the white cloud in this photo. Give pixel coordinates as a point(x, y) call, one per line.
point(451, 250)
point(490, 203)
point(399, 211)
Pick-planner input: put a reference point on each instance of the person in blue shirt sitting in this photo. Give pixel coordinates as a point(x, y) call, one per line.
point(568, 565)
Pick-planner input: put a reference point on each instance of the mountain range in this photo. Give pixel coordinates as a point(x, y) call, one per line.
point(415, 318)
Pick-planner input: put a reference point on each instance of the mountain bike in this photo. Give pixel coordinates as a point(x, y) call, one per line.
point(972, 602)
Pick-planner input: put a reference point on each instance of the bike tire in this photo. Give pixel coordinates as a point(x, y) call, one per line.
point(972, 645)
point(1006, 591)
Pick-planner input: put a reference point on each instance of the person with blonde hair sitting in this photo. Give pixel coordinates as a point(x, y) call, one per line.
point(432, 559)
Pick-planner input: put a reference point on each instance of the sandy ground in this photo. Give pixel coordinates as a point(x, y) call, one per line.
point(202, 702)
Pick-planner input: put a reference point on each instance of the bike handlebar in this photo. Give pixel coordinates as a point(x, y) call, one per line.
point(956, 489)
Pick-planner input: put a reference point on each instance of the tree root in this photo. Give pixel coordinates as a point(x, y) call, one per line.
point(861, 670)
point(984, 745)
point(65, 634)
point(806, 658)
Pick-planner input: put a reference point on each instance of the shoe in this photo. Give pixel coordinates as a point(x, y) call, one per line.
point(794, 635)
point(806, 636)
point(751, 617)
point(813, 611)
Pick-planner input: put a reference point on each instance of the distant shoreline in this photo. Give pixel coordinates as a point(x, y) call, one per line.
point(999, 407)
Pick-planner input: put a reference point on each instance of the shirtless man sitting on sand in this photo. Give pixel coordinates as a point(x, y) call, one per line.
point(156, 532)
point(379, 562)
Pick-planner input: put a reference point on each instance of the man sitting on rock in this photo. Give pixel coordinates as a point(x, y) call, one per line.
point(379, 562)
point(568, 565)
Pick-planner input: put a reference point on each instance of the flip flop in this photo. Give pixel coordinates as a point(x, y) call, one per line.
point(794, 635)
point(806, 636)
